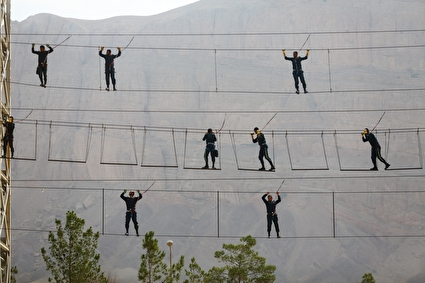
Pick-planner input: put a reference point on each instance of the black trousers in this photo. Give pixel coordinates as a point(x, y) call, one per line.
point(8, 140)
point(296, 75)
point(264, 153)
point(272, 218)
point(42, 72)
point(133, 216)
point(376, 153)
point(110, 74)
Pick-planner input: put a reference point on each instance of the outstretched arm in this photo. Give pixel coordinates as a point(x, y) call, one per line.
point(278, 198)
point(122, 194)
point(119, 52)
point(252, 137)
point(100, 52)
point(284, 54)
point(50, 48)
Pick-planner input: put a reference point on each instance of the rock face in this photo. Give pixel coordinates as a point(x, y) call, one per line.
point(187, 70)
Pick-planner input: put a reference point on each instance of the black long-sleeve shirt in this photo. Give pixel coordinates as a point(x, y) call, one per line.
point(131, 202)
point(296, 62)
point(271, 205)
point(42, 55)
point(109, 59)
point(371, 139)
point(261, 139)
point(10, 126)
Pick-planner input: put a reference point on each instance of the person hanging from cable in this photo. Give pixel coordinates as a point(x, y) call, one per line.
point(131, 210)
point(271, 212)
point(210, 140)
point(297, 70)
point(376, 149)
point(42, 63)
point(8, 136)
point(263, 153)
point(109, 65)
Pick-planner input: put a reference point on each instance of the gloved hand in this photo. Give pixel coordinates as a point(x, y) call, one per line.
point(125, 191)
point(48, 45)
point(119, 48)
point(101, 48)
point(32, 44)
point(138, 191)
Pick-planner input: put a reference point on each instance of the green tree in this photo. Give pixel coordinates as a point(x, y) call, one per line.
point(368, 278)
point(195, 273)
point(175, 271)
point(152, 269)
point(72, 253)
point(242, 264)
point(13, 271)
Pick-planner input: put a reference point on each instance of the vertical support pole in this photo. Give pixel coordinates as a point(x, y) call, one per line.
point(329, 67)
point(215, 69)
point(333, 214)
point(218, 214)
point(421, 162)
point(289, 151)
point(337, 151)
point(103, 211)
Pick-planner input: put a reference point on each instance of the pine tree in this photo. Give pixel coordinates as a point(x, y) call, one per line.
point(242, 264)
point(72, 253)
point(368, 278)
point(195, 273)
point(152, 269)
point(175, 271)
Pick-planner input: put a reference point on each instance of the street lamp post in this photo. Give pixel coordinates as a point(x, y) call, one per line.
point(170, 244)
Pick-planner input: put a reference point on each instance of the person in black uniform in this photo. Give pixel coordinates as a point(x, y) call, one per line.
point(376, 149)
point(297, 70)
point(264, 153)
point(8, 136)
point(42, 63)
point(109, 65)
point(271, 212)
point(209, 139)
point(131, 210)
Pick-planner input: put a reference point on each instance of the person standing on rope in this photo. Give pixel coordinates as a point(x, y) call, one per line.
point(264, 153)
point(210, 140)
point(42, 63)
point(131, 210)
point(271, 212)
point(376, 149)
point(8, 136)
point(109, 65)
point(297, 70)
